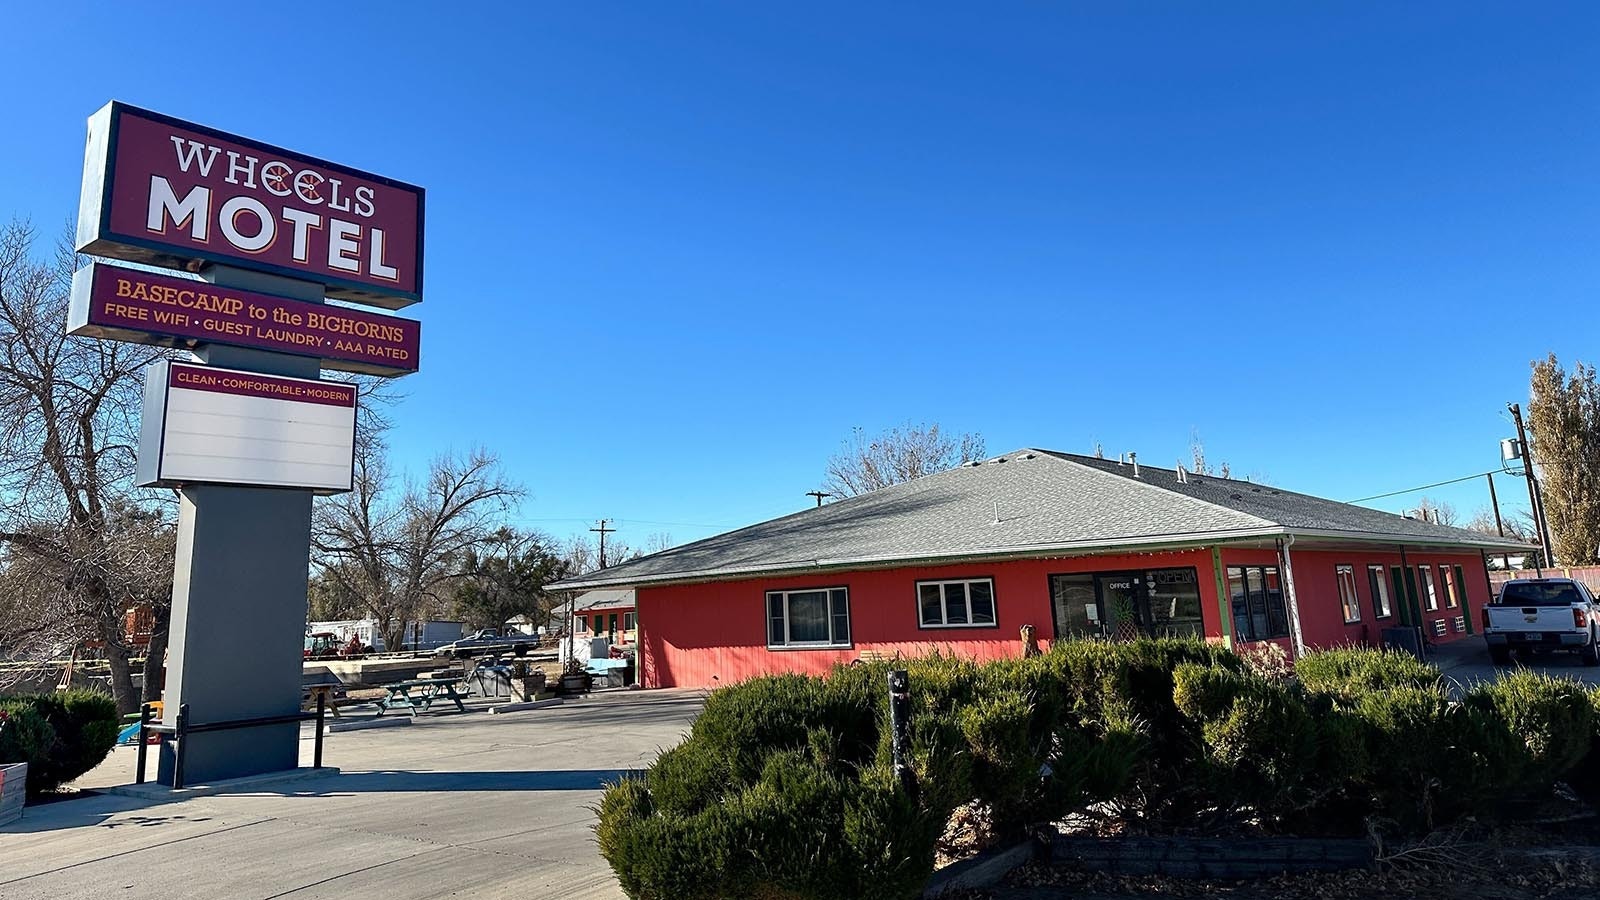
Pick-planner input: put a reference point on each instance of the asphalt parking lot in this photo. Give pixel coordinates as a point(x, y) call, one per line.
point(468, 805)
point(1466, 661)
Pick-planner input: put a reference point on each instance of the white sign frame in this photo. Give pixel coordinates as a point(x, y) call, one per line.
point(229, 426)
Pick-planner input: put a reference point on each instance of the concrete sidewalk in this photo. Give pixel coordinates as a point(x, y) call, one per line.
point(453, 805)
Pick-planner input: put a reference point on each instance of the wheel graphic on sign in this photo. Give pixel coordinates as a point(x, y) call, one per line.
point(306, 184)
point(275, 176)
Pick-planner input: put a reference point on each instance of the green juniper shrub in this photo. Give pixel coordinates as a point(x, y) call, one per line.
point(800, 832)
point(27, 737)
point(1006, 761)
point(784, 789)
point(1349, 673)
point(661, 855)
point(1259, 742)
point(1132, 684)
point(1433, 761)
point(86, 725)
point(750, 720)
point(1091, 766)
point(1550, 722)
point(689, 777)
point(1587, 786)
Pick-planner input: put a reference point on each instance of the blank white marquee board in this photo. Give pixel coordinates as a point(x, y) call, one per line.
point(205, 425)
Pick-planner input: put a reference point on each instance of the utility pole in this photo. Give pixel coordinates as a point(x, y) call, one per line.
point(1547, 553)
point(603, 530)
point(1499, 524)
point(819, 495)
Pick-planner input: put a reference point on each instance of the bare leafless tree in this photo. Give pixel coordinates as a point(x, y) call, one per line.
point(900, 454)
point(1197, 453)
point(82, 544)
point(1439, 512)
point(397, 549)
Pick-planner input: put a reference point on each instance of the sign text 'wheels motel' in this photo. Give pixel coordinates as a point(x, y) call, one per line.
point(168, 193)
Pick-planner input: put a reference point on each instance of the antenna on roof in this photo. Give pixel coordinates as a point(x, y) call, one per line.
point(1100, 452)
point(996, 513)
point(1183, 476)
point(1134, 459)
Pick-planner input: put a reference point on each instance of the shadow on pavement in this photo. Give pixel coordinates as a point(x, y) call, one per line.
point(92, 810)
point(386, 782)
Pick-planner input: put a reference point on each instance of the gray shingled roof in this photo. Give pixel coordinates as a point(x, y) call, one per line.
point(1027, 503)
point(603, 600)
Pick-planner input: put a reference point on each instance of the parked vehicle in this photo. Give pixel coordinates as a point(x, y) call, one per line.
point(322, 645)
point(1538, 615)
point(488, 640)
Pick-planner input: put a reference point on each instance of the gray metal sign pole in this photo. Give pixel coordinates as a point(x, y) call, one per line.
point(239, 593)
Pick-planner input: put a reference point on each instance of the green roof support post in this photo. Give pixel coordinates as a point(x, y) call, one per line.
point(1412, 596)
point(1397, 578)
point(1224, 609)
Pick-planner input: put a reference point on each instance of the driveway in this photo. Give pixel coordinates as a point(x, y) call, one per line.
point(1466, 660)
point(464, 805)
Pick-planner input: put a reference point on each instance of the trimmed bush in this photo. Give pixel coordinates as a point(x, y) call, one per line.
point(1349, 673)
point(1259, 741)
point(86, 725)
point(79, 729)
point(26, 737)
point(1587, 787)
point(783, 789)
point(1550, 722)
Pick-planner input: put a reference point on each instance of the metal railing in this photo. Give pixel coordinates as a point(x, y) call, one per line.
point(184, 726)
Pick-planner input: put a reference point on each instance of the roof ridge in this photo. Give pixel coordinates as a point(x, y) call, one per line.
point(1260, 486)
point(1152, 486)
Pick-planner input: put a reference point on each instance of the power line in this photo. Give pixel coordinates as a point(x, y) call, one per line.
point(1425, 487)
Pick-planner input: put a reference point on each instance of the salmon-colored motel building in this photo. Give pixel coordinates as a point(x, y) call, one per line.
point(1072, 545)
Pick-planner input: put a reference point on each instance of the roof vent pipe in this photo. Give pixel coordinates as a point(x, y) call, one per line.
point(1134, 459)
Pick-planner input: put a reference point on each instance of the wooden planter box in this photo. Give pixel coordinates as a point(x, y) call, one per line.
point(13, 790)
point(533, 684)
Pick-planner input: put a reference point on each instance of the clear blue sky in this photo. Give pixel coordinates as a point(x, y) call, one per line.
point(676, 251)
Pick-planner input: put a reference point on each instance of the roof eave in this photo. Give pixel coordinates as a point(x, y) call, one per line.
point(1164, 542)
point(1498, 545)
point(800, 567)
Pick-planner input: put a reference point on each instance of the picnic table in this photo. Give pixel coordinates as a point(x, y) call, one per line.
point(327, 691)
point(418, 695)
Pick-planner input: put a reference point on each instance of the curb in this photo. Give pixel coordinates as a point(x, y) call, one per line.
point(246, 785)
point(362, 724)
point(518, 707)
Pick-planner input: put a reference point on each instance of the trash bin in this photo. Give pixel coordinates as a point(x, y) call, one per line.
point(1404, 638)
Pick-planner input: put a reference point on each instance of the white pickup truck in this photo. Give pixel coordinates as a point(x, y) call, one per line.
point(1543, 614)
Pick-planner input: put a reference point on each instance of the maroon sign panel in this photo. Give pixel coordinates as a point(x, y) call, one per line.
point(249, 384)
point(170, 193)
point(143, 307)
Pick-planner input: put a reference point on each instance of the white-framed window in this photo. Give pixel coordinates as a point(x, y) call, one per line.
point(812, 617)
point(960, 603)
point(1380, 593)
point(630, 621)
point(1348, 599)
point(1428, 591)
